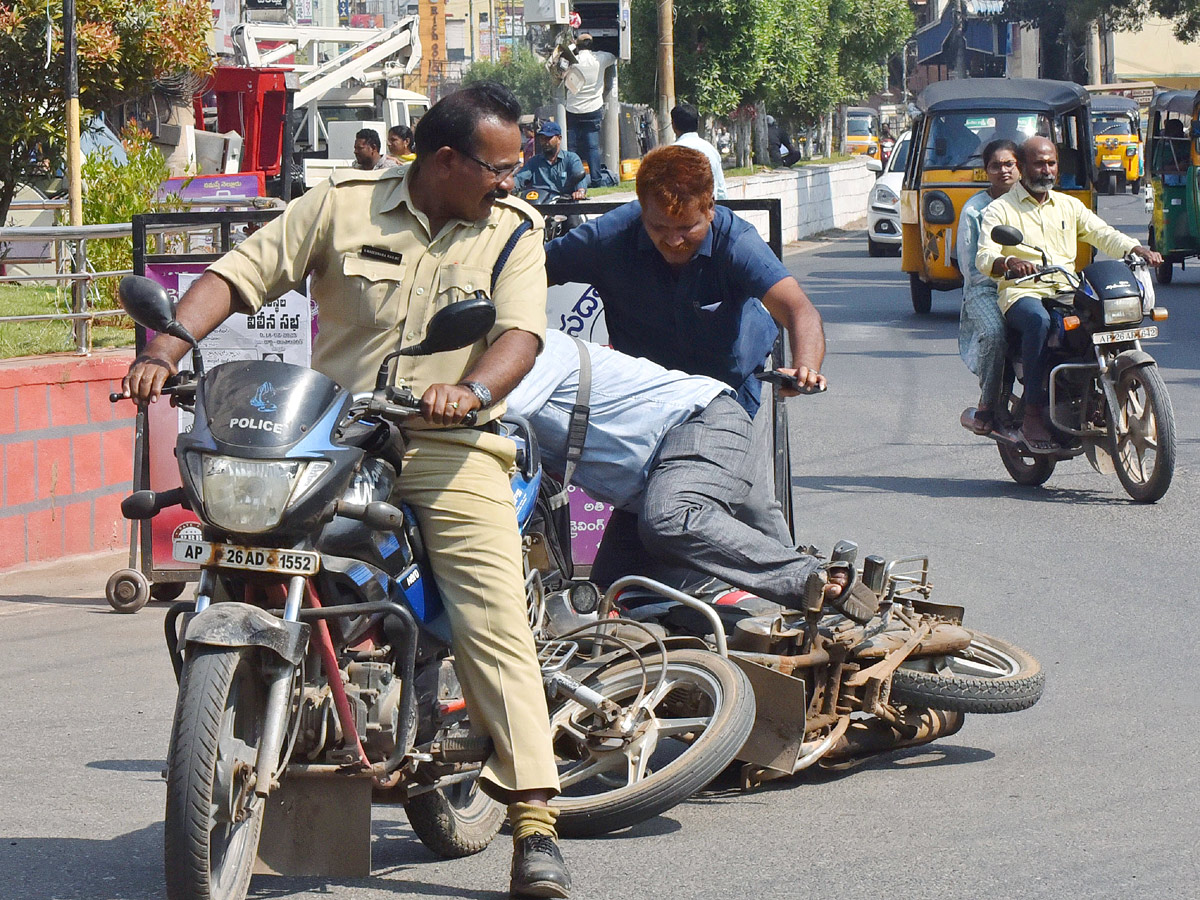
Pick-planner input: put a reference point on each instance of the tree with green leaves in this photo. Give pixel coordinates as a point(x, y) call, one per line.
point(521, 72)
point(801, 57)
point(123, 47)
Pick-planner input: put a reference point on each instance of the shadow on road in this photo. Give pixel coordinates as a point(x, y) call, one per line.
point(927, 756)
point(946, 487)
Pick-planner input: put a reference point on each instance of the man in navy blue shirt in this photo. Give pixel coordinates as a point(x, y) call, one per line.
point(552, 168)
point(688, 284)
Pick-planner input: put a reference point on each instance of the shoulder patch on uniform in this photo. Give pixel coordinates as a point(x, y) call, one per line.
point(522, 208)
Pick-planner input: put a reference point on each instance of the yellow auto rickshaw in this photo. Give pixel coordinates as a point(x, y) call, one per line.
point(945, 163)
point(1172, 156)
point(862, 132)
point(1117, 131)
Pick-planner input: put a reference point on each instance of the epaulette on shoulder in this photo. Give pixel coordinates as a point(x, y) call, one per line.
point(352, 175)
point(519, 206)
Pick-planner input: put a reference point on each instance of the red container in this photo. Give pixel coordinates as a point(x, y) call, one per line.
point(252, 102)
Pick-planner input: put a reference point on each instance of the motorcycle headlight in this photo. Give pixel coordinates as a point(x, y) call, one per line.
point(1122, 310)
point(248, 496)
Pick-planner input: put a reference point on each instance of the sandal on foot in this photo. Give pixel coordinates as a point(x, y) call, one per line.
point(1042, 445)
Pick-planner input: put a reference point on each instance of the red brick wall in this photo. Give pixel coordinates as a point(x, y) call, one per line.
point(67, 456)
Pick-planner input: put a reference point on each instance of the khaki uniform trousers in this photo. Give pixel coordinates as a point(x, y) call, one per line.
point(457, 483)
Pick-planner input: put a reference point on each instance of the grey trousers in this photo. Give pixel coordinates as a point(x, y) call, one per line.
point(705, 512)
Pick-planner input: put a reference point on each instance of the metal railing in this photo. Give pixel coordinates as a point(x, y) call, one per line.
point(65, 248)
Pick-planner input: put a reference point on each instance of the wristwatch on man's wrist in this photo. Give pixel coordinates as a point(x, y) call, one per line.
point(480, 391)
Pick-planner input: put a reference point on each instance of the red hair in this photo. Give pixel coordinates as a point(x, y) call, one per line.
point(676, 178)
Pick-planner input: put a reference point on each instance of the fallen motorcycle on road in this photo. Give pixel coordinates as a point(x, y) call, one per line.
point(838, 680)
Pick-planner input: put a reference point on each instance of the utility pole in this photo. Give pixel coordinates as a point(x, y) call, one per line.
point(666, 69)
point(74, 164)
point(82, 327)
point(959, 36)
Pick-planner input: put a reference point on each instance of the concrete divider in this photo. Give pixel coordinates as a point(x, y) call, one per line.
point(67, 456)
point(813, 198)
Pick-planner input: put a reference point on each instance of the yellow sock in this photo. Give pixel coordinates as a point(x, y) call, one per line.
point(527, 820)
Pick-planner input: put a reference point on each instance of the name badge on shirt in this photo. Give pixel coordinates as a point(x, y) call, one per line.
point(381, 254)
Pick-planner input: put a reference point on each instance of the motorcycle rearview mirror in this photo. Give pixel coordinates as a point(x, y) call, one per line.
point(149, 305)
point(453, 327)
point(1008, 236)
point(1011, 236)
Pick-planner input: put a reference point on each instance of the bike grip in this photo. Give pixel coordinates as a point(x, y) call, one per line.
point(471, 418)
point(114, 397)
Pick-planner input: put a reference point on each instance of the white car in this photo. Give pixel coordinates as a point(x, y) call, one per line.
point(883, 203)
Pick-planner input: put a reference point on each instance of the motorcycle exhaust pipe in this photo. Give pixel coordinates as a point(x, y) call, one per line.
point(870, 736)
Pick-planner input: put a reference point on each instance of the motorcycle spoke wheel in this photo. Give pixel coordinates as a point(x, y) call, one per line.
point(1143, 434)
point(661, 751)
point(213, 818)
point(988, 676)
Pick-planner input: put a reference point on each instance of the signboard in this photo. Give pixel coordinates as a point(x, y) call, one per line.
point(202, 190)
point(282, 330)
point(432, 15)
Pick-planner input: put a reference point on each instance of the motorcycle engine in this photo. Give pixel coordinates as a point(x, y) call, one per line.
point(767, 634)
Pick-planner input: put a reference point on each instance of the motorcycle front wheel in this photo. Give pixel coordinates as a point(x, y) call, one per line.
point(693, 727)
point(456, 820)
point(213, 817)
point(988, 676)
point(1143, 431)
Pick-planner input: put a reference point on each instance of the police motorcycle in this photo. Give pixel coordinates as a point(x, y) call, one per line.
point(1107, 397)
point(314, 666)
point(880, 668)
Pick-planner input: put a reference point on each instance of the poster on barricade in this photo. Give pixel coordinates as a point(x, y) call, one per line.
point(282, 330)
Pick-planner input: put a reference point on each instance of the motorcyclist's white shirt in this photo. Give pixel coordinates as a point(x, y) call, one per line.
point(633, 402)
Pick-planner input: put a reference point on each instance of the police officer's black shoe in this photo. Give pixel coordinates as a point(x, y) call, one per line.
point(538, 869)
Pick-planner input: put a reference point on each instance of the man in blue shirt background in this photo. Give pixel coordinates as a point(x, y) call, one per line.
point(688, 284)
point(552, 168)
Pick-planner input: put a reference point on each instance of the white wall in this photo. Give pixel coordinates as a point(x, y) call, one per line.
point(814, 198)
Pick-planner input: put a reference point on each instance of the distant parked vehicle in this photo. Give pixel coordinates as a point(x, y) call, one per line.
point(883, 204)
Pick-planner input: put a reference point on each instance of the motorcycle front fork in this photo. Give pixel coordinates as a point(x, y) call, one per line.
point(279, 684)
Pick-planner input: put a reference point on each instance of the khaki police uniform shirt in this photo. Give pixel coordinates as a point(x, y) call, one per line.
point(378, 276)
point(1055, 225)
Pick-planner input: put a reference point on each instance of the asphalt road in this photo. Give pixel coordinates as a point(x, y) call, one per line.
point(1092, 793)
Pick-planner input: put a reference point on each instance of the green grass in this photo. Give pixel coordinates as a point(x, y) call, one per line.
point(34, 338)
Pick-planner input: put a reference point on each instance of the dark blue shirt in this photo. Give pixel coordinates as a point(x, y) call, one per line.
point(704, 318)
point(562, 176)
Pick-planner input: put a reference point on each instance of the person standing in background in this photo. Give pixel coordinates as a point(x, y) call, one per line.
point(685, 122)
point(585, 107)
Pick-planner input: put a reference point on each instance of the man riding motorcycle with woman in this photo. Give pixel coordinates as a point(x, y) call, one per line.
point(1053, 223)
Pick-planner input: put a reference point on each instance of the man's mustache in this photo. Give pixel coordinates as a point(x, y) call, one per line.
point(496, 194)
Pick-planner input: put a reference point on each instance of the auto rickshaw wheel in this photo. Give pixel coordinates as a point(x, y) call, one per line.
point(1164, 271)
point(1135, 186)
point(922, 294)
